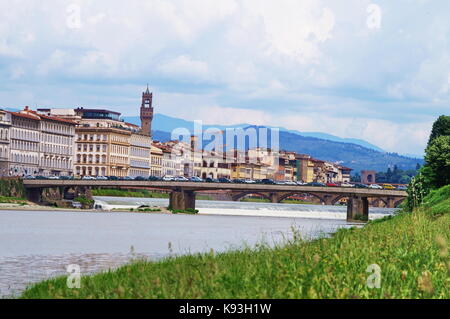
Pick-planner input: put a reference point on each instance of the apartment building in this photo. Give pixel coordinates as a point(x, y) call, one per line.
point(40, 144)
point(140, 154)
point(156, 168)
point(5, 131)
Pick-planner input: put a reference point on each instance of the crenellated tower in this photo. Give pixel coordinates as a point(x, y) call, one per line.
point(147, 112)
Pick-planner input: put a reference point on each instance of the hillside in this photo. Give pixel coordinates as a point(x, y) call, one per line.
point(166, 123)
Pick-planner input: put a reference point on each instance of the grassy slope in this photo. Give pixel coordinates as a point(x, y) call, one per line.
point(411, 250)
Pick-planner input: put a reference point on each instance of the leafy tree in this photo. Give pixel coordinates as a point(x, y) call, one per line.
point(438, 161)
point(441, 127)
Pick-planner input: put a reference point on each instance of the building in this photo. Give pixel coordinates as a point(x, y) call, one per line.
point(156, 161)
point(106, 145)
point(40, 144)
point(140, 154)
point(5, 131)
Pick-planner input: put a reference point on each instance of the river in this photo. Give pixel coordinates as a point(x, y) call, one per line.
point(36, 245)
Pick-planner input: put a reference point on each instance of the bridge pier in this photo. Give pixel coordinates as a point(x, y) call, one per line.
point(357, 209)
point(274, 198)
point(182, 199)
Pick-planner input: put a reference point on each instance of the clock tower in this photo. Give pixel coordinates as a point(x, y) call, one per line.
point(147, 112)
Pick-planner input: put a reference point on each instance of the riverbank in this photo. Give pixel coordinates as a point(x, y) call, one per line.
point(411, 250)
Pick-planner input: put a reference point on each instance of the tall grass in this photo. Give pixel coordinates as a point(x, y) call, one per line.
point(411, 249)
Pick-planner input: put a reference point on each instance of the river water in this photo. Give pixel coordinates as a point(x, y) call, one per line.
point(35, 245)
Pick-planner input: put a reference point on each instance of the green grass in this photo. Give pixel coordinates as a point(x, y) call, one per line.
point(13, 200)
point(140, 193)
point(410, 248)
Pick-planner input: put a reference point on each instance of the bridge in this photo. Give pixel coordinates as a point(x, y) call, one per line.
point(182, 194)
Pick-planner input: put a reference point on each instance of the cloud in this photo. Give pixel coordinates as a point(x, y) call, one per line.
point(314, 64)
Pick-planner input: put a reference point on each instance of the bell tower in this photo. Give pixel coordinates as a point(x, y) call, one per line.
point(147, 112)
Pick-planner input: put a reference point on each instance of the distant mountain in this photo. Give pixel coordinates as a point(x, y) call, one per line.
point(166, 123)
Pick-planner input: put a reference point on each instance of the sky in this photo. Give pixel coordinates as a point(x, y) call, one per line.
point(375, 70)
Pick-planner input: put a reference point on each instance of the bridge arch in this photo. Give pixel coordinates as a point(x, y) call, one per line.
point(239, 196)
point(287, 195)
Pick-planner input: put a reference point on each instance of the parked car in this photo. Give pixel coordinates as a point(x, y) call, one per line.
point(140, 178)
point(195, 179)
point(168, 179)
point(113, 178)
point(66, 178)
point(332, 185)
point(127, 178)
point(361, 186)
point(181, 179)
point(29, 177)
point(347, 185)
point(268, 181)
point(388, 186)
point(290, 183)
point(224, 180)
point(316, 184)
point(249, 181)
point(88, 178)
point(300, 183)
point(375, 186)
point(102, 178)
point(154, 178)
point(402, 187)
point(210, 180)
point(238, 181)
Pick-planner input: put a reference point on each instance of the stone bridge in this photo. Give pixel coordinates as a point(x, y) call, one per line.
point(182, 194)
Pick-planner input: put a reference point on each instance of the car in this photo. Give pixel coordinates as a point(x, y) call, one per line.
point(29, 177)
point(361, 186)
point(224, 180)
point(331, 185)
point(181, 179)
point(66, 178)
point(316, 184)
point(345, 184)
point(300, 183)
point(267, 181)
point(88, 178)
point(238, 181)
point(388, 186)
point(154, 178)
point(210, 180)
point(375, 186)
point(140, 178)
point(113, 178)
point(102, 178)
point(127, 178)
point(53, 177)
point(402, 187)
point(195, 179)
point(290, 183)
point(249, 181)
point(168, 179)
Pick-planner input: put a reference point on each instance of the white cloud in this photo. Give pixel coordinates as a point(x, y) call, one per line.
point(310, 63)
point(186, 68)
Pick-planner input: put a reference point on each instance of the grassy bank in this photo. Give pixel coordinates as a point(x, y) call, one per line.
point(411, 249)
point(138, 193)
point(12, 200)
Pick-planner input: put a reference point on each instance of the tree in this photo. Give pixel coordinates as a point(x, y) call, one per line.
point(441, 127)
point(437, 168)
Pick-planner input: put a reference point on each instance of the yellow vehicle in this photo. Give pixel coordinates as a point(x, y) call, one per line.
point(388, 186)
